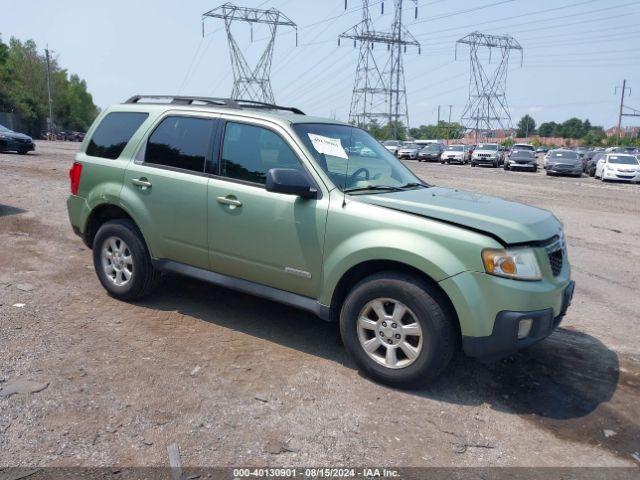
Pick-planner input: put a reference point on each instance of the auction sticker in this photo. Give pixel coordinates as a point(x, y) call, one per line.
point(328, 146)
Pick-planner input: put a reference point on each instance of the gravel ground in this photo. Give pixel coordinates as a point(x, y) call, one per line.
point(234, 380)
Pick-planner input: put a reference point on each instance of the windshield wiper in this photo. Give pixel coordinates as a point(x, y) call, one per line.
point(385, 188)
point(413, 185)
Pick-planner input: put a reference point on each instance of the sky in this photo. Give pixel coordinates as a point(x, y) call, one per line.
point(575, 52)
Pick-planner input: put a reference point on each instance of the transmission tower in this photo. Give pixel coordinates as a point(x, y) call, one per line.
point(251, 83)
point(487, 109)
point(380, 93)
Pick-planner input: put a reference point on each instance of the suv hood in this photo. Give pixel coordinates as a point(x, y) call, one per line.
point(510, 222)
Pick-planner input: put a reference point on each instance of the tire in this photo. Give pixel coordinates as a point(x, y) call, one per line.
point(425, 308)
point(23, 152)
point(124, 235)
point(535, 169)
point(548, 173)
point(473, 164)
point(506, 167)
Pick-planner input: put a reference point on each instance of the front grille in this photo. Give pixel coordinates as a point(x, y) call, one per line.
point(555, 259)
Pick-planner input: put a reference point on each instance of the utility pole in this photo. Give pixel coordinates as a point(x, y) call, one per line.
point(380, 93)
point(438, 116)
point(251, 84)
point(50, 122)
point(487, 104)
point(620, 112)
point(449, 124)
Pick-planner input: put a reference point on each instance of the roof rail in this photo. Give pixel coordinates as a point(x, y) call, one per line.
point(208, 101)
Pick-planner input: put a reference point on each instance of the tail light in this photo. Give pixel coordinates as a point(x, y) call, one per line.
point(74, 177)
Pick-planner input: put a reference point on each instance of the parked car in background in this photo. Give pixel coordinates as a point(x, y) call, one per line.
point(11, 141)
point(392, 146)
point(456, 154)
point(487, 154)
point(431, 153)
point(581, 151)
point(521, 146)
point(592, 163)
point(409, 150)
point(521, 159)
point(564, 162)
point(75, 136)
point(621, 167)
point(586, 157)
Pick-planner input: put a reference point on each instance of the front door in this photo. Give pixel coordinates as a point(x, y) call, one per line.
point(269, 238)
point(167, 188)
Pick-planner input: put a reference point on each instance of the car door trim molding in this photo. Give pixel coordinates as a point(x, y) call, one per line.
point(246, 286)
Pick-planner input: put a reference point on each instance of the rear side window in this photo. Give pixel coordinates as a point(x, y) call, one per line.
point(113, 134)
point(181, 142)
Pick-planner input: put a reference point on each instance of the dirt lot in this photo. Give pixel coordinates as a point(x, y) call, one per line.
point(235, 380)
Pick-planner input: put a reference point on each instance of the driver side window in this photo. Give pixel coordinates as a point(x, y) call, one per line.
point(250, 151)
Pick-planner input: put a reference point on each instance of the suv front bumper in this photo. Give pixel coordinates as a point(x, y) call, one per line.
point(504, 339)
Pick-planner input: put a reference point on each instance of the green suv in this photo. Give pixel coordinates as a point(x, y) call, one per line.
point(316, 214)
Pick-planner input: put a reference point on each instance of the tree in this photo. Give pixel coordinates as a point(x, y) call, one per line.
point(548, 129)
point(526, 126)
point(23, 90)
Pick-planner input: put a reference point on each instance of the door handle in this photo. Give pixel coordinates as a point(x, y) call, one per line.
point(230, 200)
point(141, 182)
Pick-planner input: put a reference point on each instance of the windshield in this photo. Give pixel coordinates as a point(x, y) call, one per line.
point(410, 146)
point(523, 155)
point(623, 159)
point(370, 165)
point(519, 146)
point(432, 148)
point(455, 148)
point(487, 146)
point(566, 155)
point(391, 143)
point(4, 129)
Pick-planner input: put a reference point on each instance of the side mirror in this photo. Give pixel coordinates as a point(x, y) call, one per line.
point(290, 182)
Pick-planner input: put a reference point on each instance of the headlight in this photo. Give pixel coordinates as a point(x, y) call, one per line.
point(520, 264)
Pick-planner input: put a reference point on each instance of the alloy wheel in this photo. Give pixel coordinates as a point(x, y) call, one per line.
point(389, 333)
point(117, 261)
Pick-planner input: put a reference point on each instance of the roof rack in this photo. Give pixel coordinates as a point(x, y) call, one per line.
point(208, 101)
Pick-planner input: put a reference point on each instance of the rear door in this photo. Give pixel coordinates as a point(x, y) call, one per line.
point(166, 186)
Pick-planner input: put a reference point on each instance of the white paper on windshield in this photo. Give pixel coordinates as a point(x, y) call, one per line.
point(328, 146)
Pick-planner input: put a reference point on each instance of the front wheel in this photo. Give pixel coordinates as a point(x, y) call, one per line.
point(23, 152)
point(122, 260)
point(397, 329)
point(473, 164)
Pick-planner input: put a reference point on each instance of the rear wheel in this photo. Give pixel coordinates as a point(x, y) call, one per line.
point(122, 260)
point(397, 329)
